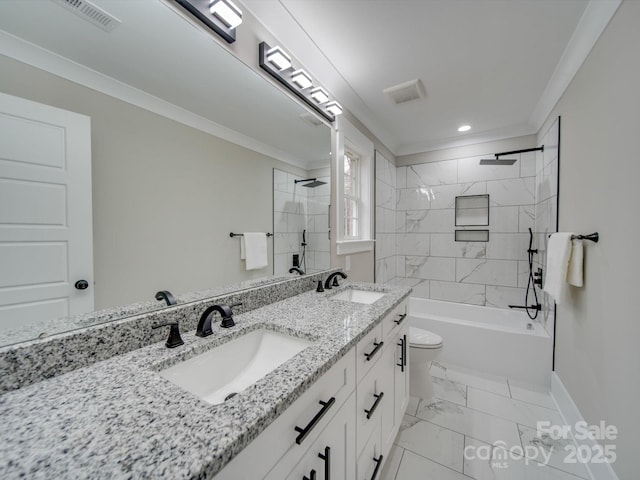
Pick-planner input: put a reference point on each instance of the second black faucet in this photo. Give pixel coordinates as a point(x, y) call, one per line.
point(204, 325)
point(334, 276)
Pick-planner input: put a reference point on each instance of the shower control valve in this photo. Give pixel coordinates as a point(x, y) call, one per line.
point(537, 277)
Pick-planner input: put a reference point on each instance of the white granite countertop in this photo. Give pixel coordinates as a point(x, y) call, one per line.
point(120, 419)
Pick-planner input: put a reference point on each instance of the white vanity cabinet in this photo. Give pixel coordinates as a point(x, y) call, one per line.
point(282, 444)
point(382, 394)
point(343, 427)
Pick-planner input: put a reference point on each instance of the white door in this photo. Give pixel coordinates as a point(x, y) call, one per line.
point(45, 213)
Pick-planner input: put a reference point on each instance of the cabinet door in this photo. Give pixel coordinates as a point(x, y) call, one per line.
point(371, 459)
point(387, 371)
point(277, 445)
point(333, 455)
point(371, 399)
point(401, 376)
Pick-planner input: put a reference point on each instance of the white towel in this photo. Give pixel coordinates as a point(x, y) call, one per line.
point(255, 250)
point(558, 254)
point(575, 275)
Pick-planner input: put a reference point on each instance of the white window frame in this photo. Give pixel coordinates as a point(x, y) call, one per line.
point(349, 138)
point(354, 197)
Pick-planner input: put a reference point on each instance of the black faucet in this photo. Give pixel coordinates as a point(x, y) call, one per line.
point(166, 296)
point(204, 325)
point(296, 269)
point(334, 277)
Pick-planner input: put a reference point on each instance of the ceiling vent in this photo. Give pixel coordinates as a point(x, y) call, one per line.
point(405, 92)
point(91, 13)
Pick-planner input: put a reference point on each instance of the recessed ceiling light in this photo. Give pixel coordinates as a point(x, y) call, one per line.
point(464, 128)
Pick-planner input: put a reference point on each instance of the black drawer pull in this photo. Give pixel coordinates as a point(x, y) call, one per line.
point(327, 462)
point(378, 463)
point(375, 405)
point(312, 476)
point(307, 430)
point(400, 319)
point(374, 351)
point(401, 345)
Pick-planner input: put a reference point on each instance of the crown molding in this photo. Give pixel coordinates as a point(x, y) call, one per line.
point(594, 20)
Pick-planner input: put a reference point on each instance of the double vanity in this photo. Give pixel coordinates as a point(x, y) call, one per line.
point(311, 386)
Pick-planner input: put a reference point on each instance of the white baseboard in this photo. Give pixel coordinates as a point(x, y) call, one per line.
point(571, 415)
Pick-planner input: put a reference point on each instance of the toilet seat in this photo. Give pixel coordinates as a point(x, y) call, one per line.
point(419, 338)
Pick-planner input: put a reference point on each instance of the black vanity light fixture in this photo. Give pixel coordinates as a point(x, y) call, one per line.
point(277, 63)
point(221, 16)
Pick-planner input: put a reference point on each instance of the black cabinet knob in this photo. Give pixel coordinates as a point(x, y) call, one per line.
point(82, 285)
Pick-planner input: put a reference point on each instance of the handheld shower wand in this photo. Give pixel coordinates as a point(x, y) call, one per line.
point(531, 284)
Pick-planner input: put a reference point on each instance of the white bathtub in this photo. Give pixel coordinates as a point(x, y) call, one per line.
point(491, 340)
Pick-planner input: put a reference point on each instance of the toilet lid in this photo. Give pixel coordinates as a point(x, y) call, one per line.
point(423, 339)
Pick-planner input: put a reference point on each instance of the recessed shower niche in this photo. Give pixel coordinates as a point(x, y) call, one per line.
point(472, 211)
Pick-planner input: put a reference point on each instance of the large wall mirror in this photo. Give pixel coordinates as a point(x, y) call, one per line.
point(166, 189)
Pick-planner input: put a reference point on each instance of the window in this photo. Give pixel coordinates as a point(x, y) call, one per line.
point(351, 195)
point(354, 199)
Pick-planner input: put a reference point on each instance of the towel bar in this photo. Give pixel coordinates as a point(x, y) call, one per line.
point(242, 234)
point(594, 237)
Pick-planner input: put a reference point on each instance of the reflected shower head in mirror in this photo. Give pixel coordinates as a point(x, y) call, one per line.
point(498, 161)
point(314, 182)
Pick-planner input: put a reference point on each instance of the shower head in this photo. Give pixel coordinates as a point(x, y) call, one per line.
point(498, 161)
point(314, 182)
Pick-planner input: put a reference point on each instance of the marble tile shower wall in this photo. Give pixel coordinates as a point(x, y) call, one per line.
point(546, 212)
point(318, 243)
point(385, 250)
point(297, 208)
point(427, 257)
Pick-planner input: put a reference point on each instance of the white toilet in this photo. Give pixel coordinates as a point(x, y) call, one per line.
point(424, 347)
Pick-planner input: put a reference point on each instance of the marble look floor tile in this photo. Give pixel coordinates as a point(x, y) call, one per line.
point(448, 390)
point(531, 394)
point(489, 383)
point(431, 441)
point(483, 462)
point(466, 421)
point(510, 409)
point(415, 467)
point(391, 466)
point(545, 449)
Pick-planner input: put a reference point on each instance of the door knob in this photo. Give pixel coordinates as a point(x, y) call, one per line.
point(82, 285)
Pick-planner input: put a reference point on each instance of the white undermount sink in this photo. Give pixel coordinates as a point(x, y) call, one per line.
point(235, 365)
point(358, 296)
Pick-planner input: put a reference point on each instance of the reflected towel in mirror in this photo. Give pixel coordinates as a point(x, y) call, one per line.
point(254, 247)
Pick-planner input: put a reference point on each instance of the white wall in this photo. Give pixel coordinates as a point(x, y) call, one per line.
point(165, 196)
point(598, 328)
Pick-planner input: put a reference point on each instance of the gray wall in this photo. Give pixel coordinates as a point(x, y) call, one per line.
point(598, 328)
point(165, 196)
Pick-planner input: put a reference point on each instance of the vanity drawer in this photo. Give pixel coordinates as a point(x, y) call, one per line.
point(368, 351)
point(371, 401)
point(396, 319)
point(277, 443)
point(370, 461)
point(332, 455)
